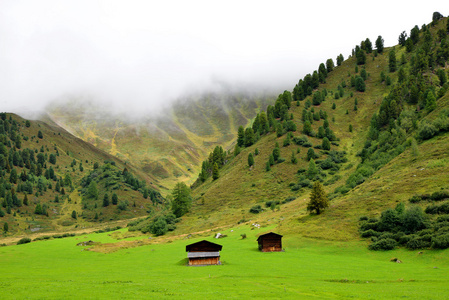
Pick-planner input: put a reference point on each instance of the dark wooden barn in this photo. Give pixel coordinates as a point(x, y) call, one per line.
point(270, 242)
point(203, 253)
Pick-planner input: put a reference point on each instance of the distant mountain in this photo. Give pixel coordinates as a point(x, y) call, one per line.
point(170, 145)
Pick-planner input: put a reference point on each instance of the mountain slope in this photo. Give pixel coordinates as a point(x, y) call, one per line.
point(381, 169)
point(170, 145)
point(45, 174)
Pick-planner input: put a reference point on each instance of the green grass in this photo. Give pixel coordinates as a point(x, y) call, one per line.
point(307, 269)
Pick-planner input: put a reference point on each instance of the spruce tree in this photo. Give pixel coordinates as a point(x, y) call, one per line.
point(380, 44)
point(215, 172)
point(250, 159)
point(318, 199)
point(181, 199)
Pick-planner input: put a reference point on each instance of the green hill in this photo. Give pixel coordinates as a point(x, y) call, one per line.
point(53, 181)
point(404, 100)
point(169, 145)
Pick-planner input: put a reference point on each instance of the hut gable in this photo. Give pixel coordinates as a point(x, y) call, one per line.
point(203, 253)
point(270, 242)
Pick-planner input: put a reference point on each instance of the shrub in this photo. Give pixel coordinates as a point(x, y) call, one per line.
point(370, 233)
point(416, 243)
point(383, 244)
point(256, 209)
point(415, 199)
point(24, 240)
point(441, 241)
point(439, 195)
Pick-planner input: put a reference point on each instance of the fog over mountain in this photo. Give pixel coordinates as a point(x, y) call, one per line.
point(140, 55)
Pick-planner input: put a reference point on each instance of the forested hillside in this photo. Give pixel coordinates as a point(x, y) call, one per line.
point(51, 180)
point(357, 126)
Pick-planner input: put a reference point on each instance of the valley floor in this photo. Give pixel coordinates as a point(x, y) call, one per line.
point(59, 269)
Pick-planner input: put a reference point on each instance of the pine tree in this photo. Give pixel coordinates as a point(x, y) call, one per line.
point(181, 199)
point(250, 159)
point(392, 62)
point(318, 199)
point(215, 172)
point(114, 199)
point(326, 144)
point(380, 44)
point(106, 200)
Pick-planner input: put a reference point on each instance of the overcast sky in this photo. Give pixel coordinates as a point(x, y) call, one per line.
point(142, 54)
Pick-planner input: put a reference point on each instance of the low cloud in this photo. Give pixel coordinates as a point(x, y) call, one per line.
point(138, 56)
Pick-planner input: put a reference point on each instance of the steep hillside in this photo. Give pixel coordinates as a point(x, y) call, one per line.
point(51, 180)
point(388, 110)
point(170, 145)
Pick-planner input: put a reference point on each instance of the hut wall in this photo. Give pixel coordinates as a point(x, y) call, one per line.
point(204, 261)
point(271, 245)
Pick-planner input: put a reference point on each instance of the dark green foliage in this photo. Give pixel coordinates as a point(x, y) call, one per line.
point(115, 199)
point(74, 215)
point(360, 56)
point(181, 199)
point(340, 59)
point(256, 209)
point(215, 172)
point(24, 240)
point(326, 145)
point(250, 159)
point(311, 154)
point(318, 199)
point(392, 62)
point(379, 44)
point(40, 134)
point(402, 38)
point(383, 244)
point(360, 84)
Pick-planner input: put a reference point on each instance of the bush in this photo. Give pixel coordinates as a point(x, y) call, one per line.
point(24, 240)
point(416, 242)
point(415, 199)
point(256, 209)
point(439, 195)
point(383, 244)
point(441, 241)
point(369, 233)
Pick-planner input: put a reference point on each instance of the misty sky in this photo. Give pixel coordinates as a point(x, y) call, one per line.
point(140, 55)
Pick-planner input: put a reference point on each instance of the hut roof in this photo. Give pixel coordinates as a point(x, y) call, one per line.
point(270, 234)
point(204, 246)
point(203, 254)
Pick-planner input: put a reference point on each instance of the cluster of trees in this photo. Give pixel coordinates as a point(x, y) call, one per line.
point(421, 81)
point(102, 182)
point(310, 82)
point(25, 170)
point(211, 167)
point(412, 227)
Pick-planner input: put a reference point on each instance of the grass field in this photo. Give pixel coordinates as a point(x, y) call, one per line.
point(58, 269)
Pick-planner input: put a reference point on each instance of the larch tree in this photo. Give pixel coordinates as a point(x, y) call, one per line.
point(181, 199)
point(318, 199)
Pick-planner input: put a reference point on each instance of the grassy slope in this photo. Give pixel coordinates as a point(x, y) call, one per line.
point(69, 148)
point(228, 199)
point(170, 147)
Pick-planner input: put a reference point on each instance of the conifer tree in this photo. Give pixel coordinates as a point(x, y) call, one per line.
point(380, 44)
point(392, 62)
point(250, 159)
point(318, 199)
point(181, 199)
point(215, 172)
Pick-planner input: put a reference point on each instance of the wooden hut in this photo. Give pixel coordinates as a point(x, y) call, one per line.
point(203, 253)
point(270, 242)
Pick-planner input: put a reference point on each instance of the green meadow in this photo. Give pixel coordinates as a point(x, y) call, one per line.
point(59, 269)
